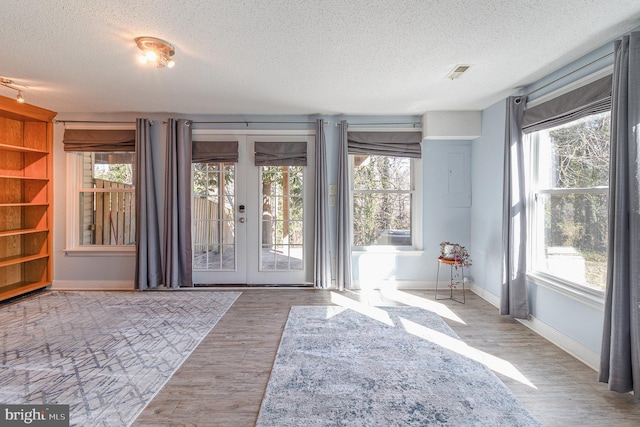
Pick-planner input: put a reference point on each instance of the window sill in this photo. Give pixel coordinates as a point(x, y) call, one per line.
point(101, 251)
point(387, 250)
point(591, 297)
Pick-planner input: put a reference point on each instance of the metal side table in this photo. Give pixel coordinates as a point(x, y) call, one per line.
point(452, 282)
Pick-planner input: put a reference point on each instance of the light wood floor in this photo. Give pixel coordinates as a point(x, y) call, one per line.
point(222, 382)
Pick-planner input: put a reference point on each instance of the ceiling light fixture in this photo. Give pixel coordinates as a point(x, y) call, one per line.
point(457, 71)
point(155, 51)
point(12, 85)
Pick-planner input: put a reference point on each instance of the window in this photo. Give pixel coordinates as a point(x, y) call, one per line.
point(104, 199)
point(384, 168)
point(569, 199)
point(383, 194)
point(101, 188)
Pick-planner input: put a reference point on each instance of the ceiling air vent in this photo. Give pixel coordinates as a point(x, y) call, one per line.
point(457, 71)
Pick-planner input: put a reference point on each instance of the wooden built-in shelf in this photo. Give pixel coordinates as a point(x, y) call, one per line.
point(28, 178)
point(20, 288)
point(26, 196)
point(21, 149)
point(22, 204)
point(19, 259)
point(21, 232)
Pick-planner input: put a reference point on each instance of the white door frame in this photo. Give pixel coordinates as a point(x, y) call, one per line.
point(247, 180)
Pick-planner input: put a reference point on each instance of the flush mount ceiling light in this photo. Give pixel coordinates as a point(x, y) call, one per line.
point(155, 51)
point(457, 71)
point(12, 85)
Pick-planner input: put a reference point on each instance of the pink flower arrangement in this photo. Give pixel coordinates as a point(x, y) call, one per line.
point(456, 252)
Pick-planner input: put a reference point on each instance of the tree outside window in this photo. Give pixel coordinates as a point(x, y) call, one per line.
point(570, 201)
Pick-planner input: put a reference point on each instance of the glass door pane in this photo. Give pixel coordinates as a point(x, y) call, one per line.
point(214, 236)
point(282, 225)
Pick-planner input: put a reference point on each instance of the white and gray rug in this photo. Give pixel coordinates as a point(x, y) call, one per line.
point(383, 366)
point(106, 354)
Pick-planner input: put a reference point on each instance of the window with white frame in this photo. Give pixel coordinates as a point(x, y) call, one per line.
point(383, 193)
point(383, 188)
point(569, 198)
point(101, 190)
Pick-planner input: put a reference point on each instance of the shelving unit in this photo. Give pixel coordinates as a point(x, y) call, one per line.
point(26, 197)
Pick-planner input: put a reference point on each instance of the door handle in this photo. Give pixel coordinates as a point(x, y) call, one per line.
point(241, 219)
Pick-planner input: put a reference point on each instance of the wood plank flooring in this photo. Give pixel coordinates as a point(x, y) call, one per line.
point(223, 381)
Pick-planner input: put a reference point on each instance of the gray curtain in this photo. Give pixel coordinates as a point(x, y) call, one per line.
point(620, 355)
point(321, 242)
point(513, 299)
point(148, 247)
point(343, 249)
point(177, 209)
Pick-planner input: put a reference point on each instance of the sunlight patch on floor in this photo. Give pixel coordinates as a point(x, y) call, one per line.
point(419, 302)
point(362, 308)
point(494, 363)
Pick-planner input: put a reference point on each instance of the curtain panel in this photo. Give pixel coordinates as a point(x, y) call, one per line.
point(99, 140)
point(321, 239)
point(148, 274)
point(177, 209)
point(620, 354)
point(214, 152)
point(584, 101)
point(273, 153)
point(514, 300)
point(343, 207)
point(393, 144)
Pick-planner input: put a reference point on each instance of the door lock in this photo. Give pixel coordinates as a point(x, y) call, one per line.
point(241, 208)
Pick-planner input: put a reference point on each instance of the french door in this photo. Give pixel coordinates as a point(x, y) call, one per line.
point(252, 224)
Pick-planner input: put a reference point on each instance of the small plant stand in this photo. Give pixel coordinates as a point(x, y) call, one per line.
point(452, 282)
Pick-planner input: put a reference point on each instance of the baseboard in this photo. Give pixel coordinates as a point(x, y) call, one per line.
point(566, 343)
point(485, 295)
point(92, 285)
point(393, 284)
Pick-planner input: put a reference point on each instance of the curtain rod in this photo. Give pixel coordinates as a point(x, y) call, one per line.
point(247, 122)
point(413, 124)
point(91, 121)
point(569, 73)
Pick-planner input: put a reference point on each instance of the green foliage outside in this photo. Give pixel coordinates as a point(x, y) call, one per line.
point(579, 220)
point(117, 167)
point(381, 201)
point(282, 205)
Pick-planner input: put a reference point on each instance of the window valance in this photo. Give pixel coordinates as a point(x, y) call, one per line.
point(273, 153)
point(214, 151)
point(395, 144)
point(592, 98)
point(99, 140)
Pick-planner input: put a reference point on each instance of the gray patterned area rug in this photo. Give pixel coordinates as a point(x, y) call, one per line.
point(106, 354)
point(382, 366)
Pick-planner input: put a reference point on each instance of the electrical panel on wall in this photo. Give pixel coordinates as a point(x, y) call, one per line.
point(456, 171)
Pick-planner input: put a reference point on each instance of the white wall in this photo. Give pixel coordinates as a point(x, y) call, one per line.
point(486, 213)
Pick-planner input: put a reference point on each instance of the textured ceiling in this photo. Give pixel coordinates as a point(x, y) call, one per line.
point(296, 56)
